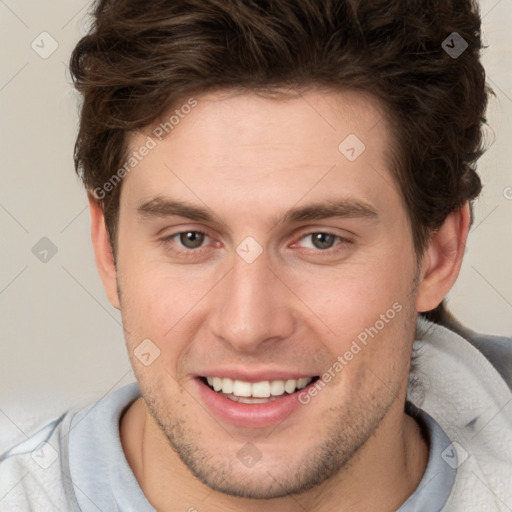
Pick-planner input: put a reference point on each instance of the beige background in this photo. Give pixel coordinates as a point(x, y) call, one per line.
point(61, 341)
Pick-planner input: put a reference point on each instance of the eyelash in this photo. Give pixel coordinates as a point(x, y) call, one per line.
point(182, 251)
point(198, 251)
point(331, 250)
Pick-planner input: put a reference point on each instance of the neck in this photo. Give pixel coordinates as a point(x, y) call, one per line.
point(383, 473)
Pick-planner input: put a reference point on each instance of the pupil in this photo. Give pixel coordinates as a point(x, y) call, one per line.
point(323, 240)
point(192, 239)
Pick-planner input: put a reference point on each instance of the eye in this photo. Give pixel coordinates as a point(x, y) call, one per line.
point(322, 241)
point(186, 242)
point(191, 239)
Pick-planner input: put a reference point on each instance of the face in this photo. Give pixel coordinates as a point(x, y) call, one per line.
point(258, 244)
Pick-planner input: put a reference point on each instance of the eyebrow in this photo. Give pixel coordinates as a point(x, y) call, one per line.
point(340, 208)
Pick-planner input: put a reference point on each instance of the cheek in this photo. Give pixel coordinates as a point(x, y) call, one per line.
point(353, 297)
point(157, 298)
point(156, 307)
point(369, 312)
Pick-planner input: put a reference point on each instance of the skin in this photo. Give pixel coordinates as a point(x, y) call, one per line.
point(297, 307)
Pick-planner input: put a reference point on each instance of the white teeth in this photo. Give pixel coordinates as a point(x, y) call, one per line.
point(227, 386)
point(277, 387)
point(217, 383)
point(241, 388)
point(263, 389)
point(302, 383)
point(290, 385)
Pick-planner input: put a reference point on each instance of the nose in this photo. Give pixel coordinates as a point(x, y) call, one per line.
point(253, 306)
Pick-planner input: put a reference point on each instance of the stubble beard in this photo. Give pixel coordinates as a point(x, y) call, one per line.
point(345, 429)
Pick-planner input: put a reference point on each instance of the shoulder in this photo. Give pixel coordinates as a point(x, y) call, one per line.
point(80, 451)
point(34, 474)
point(463, 382)
point(496, 349)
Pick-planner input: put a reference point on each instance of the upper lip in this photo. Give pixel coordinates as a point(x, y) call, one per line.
point(255, 376)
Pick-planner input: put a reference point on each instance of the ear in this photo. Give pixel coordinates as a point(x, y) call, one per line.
point(442, 259)
point(103, 251)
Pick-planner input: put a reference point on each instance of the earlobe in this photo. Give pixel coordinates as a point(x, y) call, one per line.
point(442, 259)
point(103, 252)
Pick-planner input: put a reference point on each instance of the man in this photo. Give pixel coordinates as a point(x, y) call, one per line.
point(280, 199)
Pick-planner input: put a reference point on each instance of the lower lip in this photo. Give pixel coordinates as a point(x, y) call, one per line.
point(249, 415)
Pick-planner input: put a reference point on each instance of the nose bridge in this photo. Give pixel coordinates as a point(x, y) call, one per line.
point(252, 306)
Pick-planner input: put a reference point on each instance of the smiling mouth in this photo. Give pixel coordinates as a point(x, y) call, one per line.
point(256, 392)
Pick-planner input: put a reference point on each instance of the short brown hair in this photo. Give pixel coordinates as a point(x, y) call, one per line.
point(140, 57)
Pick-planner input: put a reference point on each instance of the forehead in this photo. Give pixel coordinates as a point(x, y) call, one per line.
point(258, 149)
